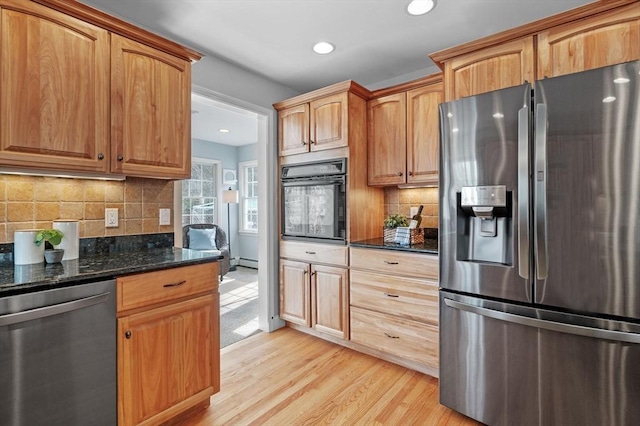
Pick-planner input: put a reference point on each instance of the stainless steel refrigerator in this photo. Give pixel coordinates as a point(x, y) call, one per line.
point(540, 251)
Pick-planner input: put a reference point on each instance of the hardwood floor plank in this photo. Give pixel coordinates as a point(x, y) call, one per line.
point(289, 378)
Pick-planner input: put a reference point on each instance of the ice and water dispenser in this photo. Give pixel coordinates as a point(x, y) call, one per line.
point(485, 224)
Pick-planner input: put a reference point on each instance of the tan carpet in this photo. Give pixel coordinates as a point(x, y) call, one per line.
point(238, 305)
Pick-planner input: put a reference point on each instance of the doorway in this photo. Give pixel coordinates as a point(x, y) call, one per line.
point(251, 246)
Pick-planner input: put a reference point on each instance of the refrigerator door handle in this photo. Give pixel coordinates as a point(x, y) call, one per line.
point(523, 192)
point(540, 179)
point(579, 330)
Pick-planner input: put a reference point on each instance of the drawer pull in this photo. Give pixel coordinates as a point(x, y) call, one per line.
point(391, 336)
point(175, 284)
point(390, 263)
point(310, 252)
point(391, 295)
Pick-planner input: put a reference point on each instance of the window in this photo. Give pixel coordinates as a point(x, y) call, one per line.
point(249, 196)
point(199, 202)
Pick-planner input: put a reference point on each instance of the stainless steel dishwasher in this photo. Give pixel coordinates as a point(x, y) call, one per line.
point(58, 357)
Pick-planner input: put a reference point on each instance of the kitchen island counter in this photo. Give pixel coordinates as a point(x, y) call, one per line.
point(16, 279)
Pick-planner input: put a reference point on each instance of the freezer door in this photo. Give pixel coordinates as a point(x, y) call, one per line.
point(505, 364)
point(484, 194)
point(587, 191)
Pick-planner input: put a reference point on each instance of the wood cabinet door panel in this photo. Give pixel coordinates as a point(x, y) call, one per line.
point(330, 300)
point(387, 140)
point(606, 39)
point(402, 337)
point(162, 359)
point(329, 122)
point(293, 135)
point(294, 292)
point(395, 262)
point(54, 90)
point(422, 133)
point(150, 111)
point(413, 298)
point(496, 67)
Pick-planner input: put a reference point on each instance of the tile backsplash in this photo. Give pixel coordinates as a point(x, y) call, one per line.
point(28, 202)
point(398, 200)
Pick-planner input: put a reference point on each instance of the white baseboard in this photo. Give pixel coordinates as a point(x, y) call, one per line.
point(248, 263)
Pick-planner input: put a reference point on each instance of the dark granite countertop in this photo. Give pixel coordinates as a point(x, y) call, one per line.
point(15, 279)
point(430, 245)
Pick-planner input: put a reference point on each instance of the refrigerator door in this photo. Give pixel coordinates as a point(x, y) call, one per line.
point(587, 191)
point(505, 364)
point(484, 194)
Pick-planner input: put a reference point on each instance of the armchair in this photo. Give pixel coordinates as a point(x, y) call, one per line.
point(220, 239)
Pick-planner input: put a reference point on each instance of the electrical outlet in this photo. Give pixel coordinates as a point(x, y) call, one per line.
point(110, 218)
point(165, 217)
point(414, 211)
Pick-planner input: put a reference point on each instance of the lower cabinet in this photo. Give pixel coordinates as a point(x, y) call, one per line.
point(394, 305)
point(168, 343)
point(314, 295)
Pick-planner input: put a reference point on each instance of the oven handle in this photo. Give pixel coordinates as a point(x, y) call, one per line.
point(313, 182)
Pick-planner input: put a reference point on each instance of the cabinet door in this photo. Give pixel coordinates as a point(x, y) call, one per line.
point(293, 136)
point(54, 90)
point(330, 300)
point(606, 39)
point(166, 356)
point(294, 292)
point(496, 67)
point(387, 140)
point(422, 133)
point(150, 111)
point(329, 122)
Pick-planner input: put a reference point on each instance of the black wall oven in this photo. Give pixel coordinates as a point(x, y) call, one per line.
point(314, 201)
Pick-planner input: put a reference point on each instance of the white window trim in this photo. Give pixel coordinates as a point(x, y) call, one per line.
point(241, 167)
point(218, 164)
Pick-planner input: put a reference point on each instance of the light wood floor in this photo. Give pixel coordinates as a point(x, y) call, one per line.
point(290, 378)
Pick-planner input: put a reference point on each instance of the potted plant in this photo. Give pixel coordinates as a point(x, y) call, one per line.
point(51, 237)
point(391, 223)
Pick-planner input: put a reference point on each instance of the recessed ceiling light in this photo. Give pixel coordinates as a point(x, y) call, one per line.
point(498, 115)
point(609, 99)
point(621, 80)
point(223, 130)
point(420, 7)
point(322, 48)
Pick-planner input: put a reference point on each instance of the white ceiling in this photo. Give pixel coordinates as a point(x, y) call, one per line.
point(377, 42)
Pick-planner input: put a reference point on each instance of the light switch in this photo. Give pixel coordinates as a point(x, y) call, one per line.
point(165, 217)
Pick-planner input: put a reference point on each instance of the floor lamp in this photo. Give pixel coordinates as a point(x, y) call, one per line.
point(230, 196)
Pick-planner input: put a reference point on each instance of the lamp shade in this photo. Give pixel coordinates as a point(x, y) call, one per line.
point(230, 196)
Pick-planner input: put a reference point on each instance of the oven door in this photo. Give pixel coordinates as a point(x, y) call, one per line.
point(314, 209)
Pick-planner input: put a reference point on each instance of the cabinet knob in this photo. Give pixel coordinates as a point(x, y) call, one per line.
point(127, 334)
point(100, 156)
point(312, 141)
point(410, 173)
point(120, 157)
point(304, 143)
point(399, 173)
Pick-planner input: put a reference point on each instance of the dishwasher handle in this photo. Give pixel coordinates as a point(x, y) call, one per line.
point(47, 311)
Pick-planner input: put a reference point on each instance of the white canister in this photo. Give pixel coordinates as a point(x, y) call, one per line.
point(25, 250)
point(70, 240)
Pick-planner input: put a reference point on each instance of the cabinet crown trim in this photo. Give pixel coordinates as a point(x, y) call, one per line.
point(345, 86)
point(409, 85)
point(529, 29)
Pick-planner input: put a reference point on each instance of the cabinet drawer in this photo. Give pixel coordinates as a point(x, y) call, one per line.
point(408, 339)
point(409, 297)
point(395, 262)
point(314, 252)
point(135, 291)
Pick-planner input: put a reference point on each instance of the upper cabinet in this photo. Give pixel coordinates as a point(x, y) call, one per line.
point(83, 92)
point(606, 39)
point(318, 120)
point(403, 133)
point(595, 35)
point(150, 111)
point(492, 68)
point(54, 90)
